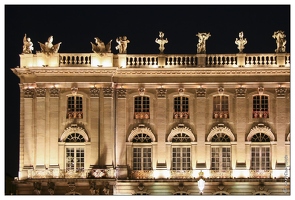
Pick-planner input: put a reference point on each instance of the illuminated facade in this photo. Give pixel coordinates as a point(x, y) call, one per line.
point(122, 124)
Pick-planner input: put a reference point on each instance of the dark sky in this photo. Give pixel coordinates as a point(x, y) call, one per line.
point(76, 26)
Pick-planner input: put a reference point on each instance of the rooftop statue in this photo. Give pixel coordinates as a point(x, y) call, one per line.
point(122, 44)
point(241, 42)
point(201, 46)
point(48, 47)
point(281, 41)
point(100, 47)
point(161, 41)
point(28, 45)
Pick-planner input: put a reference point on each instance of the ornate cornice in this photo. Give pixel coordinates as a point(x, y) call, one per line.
point(153, 72)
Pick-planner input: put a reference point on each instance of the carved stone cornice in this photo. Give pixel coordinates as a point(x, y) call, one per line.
point(241, 92)
point(281, 92)
point(54, 92)
point(94, 92)
point(121, 92)
point(40, 92)
point(108, 92)
point(161, 92)
point(28, 93)
point(201, 92)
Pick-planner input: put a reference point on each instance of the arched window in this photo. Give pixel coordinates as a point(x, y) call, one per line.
point(141, 107)
point(221, 153)
point(142, 154)
point(75, 107)
point(181, 155)
point(181, 137)
point(75, 155)
point(260, 154)
point(181, 108)
point(220, 106)
point(260, 106)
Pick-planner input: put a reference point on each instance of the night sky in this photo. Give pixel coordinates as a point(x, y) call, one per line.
point(77, 25)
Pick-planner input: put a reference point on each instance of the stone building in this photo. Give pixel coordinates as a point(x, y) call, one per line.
point(154, 124)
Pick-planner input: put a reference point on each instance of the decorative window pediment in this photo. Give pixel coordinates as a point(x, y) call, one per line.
point(220, 134)
point(181, 134)
point(263, 132)
point(141, 134)
point(74, 134)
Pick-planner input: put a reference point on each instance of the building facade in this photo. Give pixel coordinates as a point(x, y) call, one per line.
point(154, 124)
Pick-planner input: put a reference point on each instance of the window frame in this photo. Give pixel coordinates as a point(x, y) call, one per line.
point(145, 162)
point(181, 165)
point(75, 146)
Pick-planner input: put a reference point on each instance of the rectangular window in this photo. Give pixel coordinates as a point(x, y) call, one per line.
point(260, 158)
point(260, 106)
point(142, 158)
point(75, 107)
point(75, 159)
point(220, 107)
point(142, 107)
point(181, 158)
point(220, 158)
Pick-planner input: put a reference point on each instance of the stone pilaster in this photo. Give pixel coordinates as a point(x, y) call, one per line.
point(200, 121)
point(161, 124)
point(282, 120)
point(241, 114)
point(40, 118)
point(53, 125)
point(121, 129)
point(94, 118)
point(28, 137)
point(107, 128)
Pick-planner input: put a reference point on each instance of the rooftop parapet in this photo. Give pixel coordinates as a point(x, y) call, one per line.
point(155, 60)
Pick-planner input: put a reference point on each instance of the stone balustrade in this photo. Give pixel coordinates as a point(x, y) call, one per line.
point(155, 60)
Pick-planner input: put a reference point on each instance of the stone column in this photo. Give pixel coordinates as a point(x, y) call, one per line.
point(53, 108)
point(241, 114)
point(200, 121)
point(161, 125)
point(94, 125)
point(40, 126)
point(107, 128)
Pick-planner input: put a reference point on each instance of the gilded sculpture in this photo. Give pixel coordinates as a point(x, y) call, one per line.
point(122, 44)
point(281, 41)
point(201, 46)
point(161, 41)
point(49, 48)
point(28, 45)
point(100, 47)
point(241, 42)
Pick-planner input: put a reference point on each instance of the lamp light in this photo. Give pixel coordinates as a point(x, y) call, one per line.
point(201, 182)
